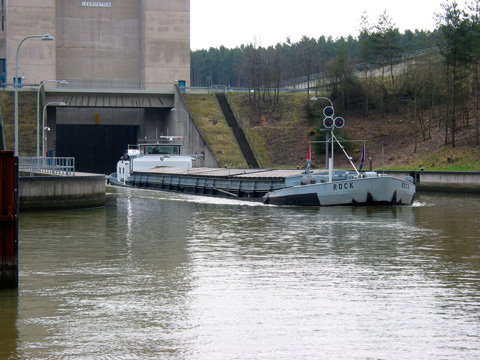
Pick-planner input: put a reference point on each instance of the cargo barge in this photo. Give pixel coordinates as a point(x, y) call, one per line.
point(159, 165)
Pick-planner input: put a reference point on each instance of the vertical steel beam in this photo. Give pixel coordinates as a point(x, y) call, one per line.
point(8, 220)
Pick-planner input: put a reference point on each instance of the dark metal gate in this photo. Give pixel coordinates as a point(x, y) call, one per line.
point(96, 148)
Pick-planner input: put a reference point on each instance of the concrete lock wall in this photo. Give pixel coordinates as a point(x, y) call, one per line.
point(61, 192)
point(443, 181)
point(449, 178)
point(455, 181)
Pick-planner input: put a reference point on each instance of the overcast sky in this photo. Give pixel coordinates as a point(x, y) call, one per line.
point(268, 22)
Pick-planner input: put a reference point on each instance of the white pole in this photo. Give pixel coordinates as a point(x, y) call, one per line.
point(15, 84)
point(63, 82)
point(43, 123)
point(330, 164)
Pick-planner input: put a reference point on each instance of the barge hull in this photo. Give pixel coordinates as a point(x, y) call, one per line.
point(231, 183)
point(381, 190)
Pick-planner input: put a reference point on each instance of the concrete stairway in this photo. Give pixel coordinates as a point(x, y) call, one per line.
point(237, 131)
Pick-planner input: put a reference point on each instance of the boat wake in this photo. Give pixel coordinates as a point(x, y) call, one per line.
point(149, 194)
point(421, 204)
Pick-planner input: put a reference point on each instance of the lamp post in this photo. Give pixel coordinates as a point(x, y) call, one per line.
point(187, 134)
point(43, 122)
point(15, 83)
point(62, 82)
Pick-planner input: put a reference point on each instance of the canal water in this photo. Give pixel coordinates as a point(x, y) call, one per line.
point(156, 275)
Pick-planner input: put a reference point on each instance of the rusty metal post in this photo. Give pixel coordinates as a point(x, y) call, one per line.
point(8, 220)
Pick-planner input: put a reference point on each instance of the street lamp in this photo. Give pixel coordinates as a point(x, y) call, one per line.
point(62, 82)
point(186, 137)
point(15, 83)
point(43, 122)
point(315, 98)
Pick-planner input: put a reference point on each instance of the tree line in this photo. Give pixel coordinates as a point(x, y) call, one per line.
point(381, 68)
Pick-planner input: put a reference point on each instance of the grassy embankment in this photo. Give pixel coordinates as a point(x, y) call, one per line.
point(27, 120)
point(215, 129)
point(280, 137)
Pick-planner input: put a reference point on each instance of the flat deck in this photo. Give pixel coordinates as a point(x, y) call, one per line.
point(224, 172)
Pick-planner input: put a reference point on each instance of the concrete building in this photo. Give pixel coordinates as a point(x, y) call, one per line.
point(141, 44)
point(123, 60)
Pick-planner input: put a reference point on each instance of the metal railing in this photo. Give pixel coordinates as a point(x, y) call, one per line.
point(47, 165)
point(96, 84)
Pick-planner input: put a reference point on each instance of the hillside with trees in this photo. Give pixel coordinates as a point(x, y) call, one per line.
point(438, 85)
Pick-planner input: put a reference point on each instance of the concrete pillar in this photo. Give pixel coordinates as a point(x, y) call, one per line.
point(164, 42)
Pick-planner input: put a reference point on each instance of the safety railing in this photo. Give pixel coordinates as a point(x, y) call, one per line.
point(86, 84)
point(47, 165)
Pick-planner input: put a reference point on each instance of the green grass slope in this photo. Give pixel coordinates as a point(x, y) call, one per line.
point(27, 121)
point(212, 124)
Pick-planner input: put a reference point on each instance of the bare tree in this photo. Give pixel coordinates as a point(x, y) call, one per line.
point(366, 52)
point(455, 50)
point(308, 54)
point(474, 17)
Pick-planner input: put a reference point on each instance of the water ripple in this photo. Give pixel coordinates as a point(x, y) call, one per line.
point(155, 275)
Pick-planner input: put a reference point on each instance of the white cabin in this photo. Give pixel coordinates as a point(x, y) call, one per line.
point(151, 154)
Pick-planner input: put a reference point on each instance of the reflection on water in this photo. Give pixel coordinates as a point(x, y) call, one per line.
point(159, 275)
point(8, 318)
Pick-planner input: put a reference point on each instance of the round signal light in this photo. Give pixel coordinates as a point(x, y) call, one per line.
point(339, 122)
point(328, 111)
point(328, 122)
